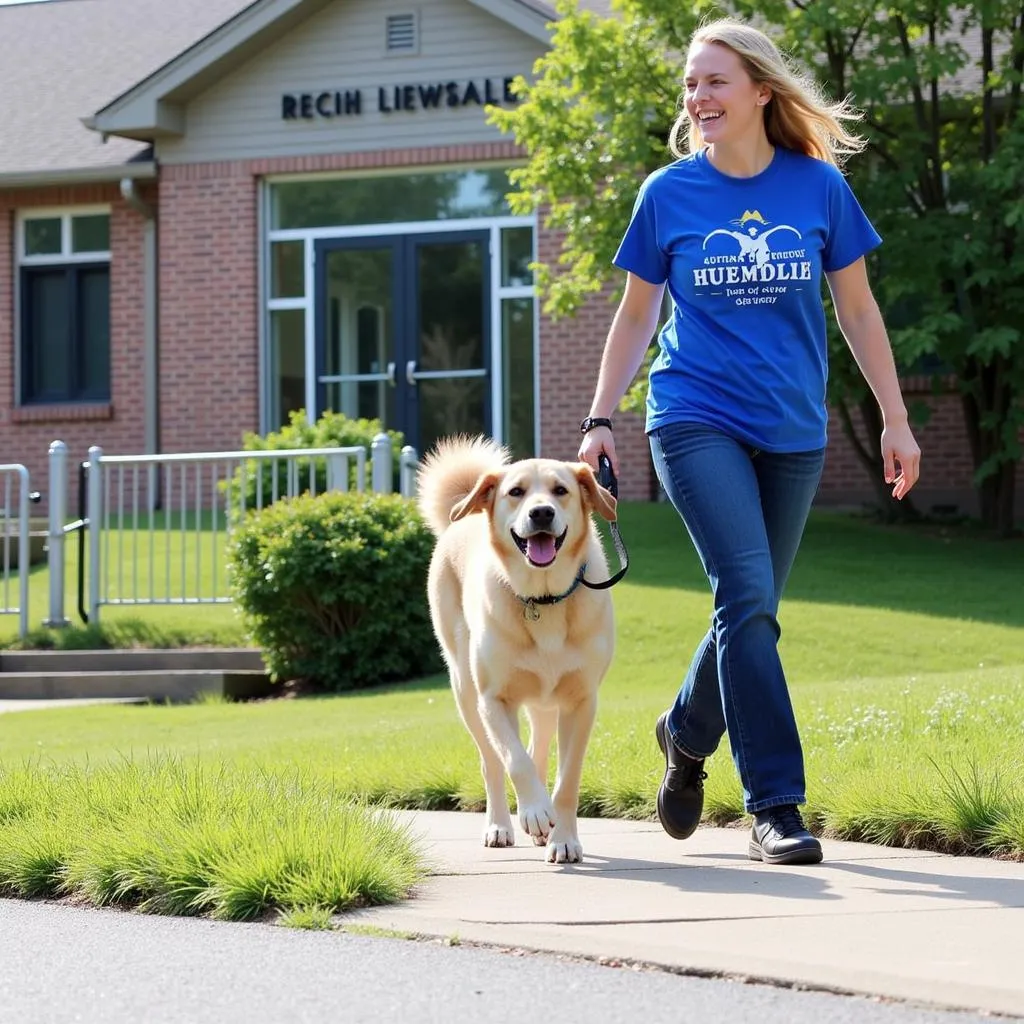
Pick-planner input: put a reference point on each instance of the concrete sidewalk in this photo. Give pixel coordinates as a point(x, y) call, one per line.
point(49, 704)
point(939, 930)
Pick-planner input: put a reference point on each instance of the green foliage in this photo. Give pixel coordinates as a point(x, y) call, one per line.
point(333, 588)
point(260, 484)
point(594, 121)
point(941, 178)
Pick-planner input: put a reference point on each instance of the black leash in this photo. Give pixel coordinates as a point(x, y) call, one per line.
point(606, 478)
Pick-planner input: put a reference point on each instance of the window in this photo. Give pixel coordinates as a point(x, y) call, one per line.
point(315, 298)
point(64, 260)
point(393, 199)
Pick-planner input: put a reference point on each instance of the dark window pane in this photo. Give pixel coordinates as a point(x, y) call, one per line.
point(453, 320)
point(517, 351)
point(66, 334)
point(287, 270)
point(93, 332)
point(90, 233)
point(49, 369)
point(287, 364)
point(516, 256)
point(42, 236)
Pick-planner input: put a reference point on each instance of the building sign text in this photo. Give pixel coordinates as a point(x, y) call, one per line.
point(332, 103)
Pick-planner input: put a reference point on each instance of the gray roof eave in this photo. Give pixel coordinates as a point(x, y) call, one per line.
point(137, 170)
point(153, 107)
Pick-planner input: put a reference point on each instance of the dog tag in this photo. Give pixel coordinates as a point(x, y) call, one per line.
point(531, 611)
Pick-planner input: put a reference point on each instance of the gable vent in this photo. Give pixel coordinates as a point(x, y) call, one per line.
point(401, 33)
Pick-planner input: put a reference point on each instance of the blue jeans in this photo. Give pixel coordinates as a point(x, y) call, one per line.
point(745, 511)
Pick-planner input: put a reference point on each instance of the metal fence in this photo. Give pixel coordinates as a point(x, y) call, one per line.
point(153, 529)
point(15, 527)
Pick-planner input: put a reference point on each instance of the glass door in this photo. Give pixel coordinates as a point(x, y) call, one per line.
point(356, 328)
point(403, 332)
point(448, 355)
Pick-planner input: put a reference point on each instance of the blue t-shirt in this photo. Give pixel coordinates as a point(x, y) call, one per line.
point(744, 349)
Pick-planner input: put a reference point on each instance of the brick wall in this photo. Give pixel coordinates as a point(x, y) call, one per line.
point(570, 355)
point(209, 352)
point(26, 433)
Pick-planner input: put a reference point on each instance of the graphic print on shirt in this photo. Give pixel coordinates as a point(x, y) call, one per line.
point(742, 266)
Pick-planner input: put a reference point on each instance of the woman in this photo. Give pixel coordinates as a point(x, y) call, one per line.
point(740, 228)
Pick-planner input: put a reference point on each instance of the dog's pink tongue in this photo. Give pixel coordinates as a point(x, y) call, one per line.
point(540, 548)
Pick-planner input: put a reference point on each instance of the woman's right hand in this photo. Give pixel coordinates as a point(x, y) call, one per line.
point(596, 441)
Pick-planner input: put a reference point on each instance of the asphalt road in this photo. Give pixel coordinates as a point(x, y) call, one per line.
point(61, 964)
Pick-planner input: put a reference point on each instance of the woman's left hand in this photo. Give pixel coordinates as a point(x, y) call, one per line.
point(899, 447)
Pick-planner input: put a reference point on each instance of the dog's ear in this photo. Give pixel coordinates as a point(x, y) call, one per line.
point(480, 499)
point(594, 495)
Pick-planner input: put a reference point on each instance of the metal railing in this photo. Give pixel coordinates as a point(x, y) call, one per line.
point(15, 527)
point(157, 526)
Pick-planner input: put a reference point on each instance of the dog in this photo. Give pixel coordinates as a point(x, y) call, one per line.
point(515, 624)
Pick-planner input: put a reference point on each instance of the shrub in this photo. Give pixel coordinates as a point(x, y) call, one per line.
point(332, 430)
point(333, 588)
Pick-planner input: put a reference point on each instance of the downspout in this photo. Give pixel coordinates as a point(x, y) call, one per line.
point(150, 364)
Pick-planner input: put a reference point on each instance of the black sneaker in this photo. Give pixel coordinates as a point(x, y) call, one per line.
point(681, 794)
point(778, 836)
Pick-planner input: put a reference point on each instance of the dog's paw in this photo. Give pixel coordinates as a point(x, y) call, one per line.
point(537, 819)
point(539, 840)
point(499, 836)
point(563, 849)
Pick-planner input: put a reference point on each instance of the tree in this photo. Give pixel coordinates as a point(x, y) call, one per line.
point(940, 84)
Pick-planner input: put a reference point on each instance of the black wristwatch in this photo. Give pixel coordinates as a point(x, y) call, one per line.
point(594, 421)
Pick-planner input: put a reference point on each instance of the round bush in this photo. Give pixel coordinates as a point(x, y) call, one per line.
point(333, 588)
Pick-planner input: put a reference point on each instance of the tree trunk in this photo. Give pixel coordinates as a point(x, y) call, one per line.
point(890, 509)
point(997, 495)
point(987, 397)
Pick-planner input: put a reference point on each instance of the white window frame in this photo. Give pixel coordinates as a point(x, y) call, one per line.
point(66, 214)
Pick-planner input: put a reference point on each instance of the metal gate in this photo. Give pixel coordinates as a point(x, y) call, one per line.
point(14, 538)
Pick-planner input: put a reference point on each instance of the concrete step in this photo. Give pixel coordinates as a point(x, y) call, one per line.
point(233, 659)
point(175, 685)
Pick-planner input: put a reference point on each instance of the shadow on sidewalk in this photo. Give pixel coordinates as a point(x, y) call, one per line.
point(945, 885)
point(704, 878)
point(809, 882)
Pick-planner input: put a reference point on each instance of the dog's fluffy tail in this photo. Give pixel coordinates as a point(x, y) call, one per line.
point(449, 471)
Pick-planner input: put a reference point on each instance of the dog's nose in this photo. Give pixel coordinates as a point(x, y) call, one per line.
point(542, 516)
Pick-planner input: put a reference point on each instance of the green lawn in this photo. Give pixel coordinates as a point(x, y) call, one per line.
point(904, 648)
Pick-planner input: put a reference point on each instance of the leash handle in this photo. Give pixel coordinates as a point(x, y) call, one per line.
point(607, 479)
point(606, 476)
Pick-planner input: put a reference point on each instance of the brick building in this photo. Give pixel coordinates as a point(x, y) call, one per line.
point(216, 212)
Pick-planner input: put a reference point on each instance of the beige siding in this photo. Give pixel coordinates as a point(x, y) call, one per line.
point(342, 49)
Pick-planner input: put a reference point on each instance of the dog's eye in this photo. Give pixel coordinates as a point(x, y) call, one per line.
point(561, 491)
point(516, 492)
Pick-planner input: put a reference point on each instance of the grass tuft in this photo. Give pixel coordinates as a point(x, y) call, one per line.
point(308, 918)
point(169, 836)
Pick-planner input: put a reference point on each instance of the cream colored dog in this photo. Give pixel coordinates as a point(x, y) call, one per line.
point(516, 626)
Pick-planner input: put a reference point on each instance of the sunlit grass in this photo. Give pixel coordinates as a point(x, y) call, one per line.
point(173, 836)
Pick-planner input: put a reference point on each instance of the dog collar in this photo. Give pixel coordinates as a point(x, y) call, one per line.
point(531, 608)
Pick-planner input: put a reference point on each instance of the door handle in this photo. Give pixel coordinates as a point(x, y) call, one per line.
point(410, 373)
point(391, 374)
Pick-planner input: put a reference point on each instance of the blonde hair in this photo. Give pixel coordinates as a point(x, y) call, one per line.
point(798, 116)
